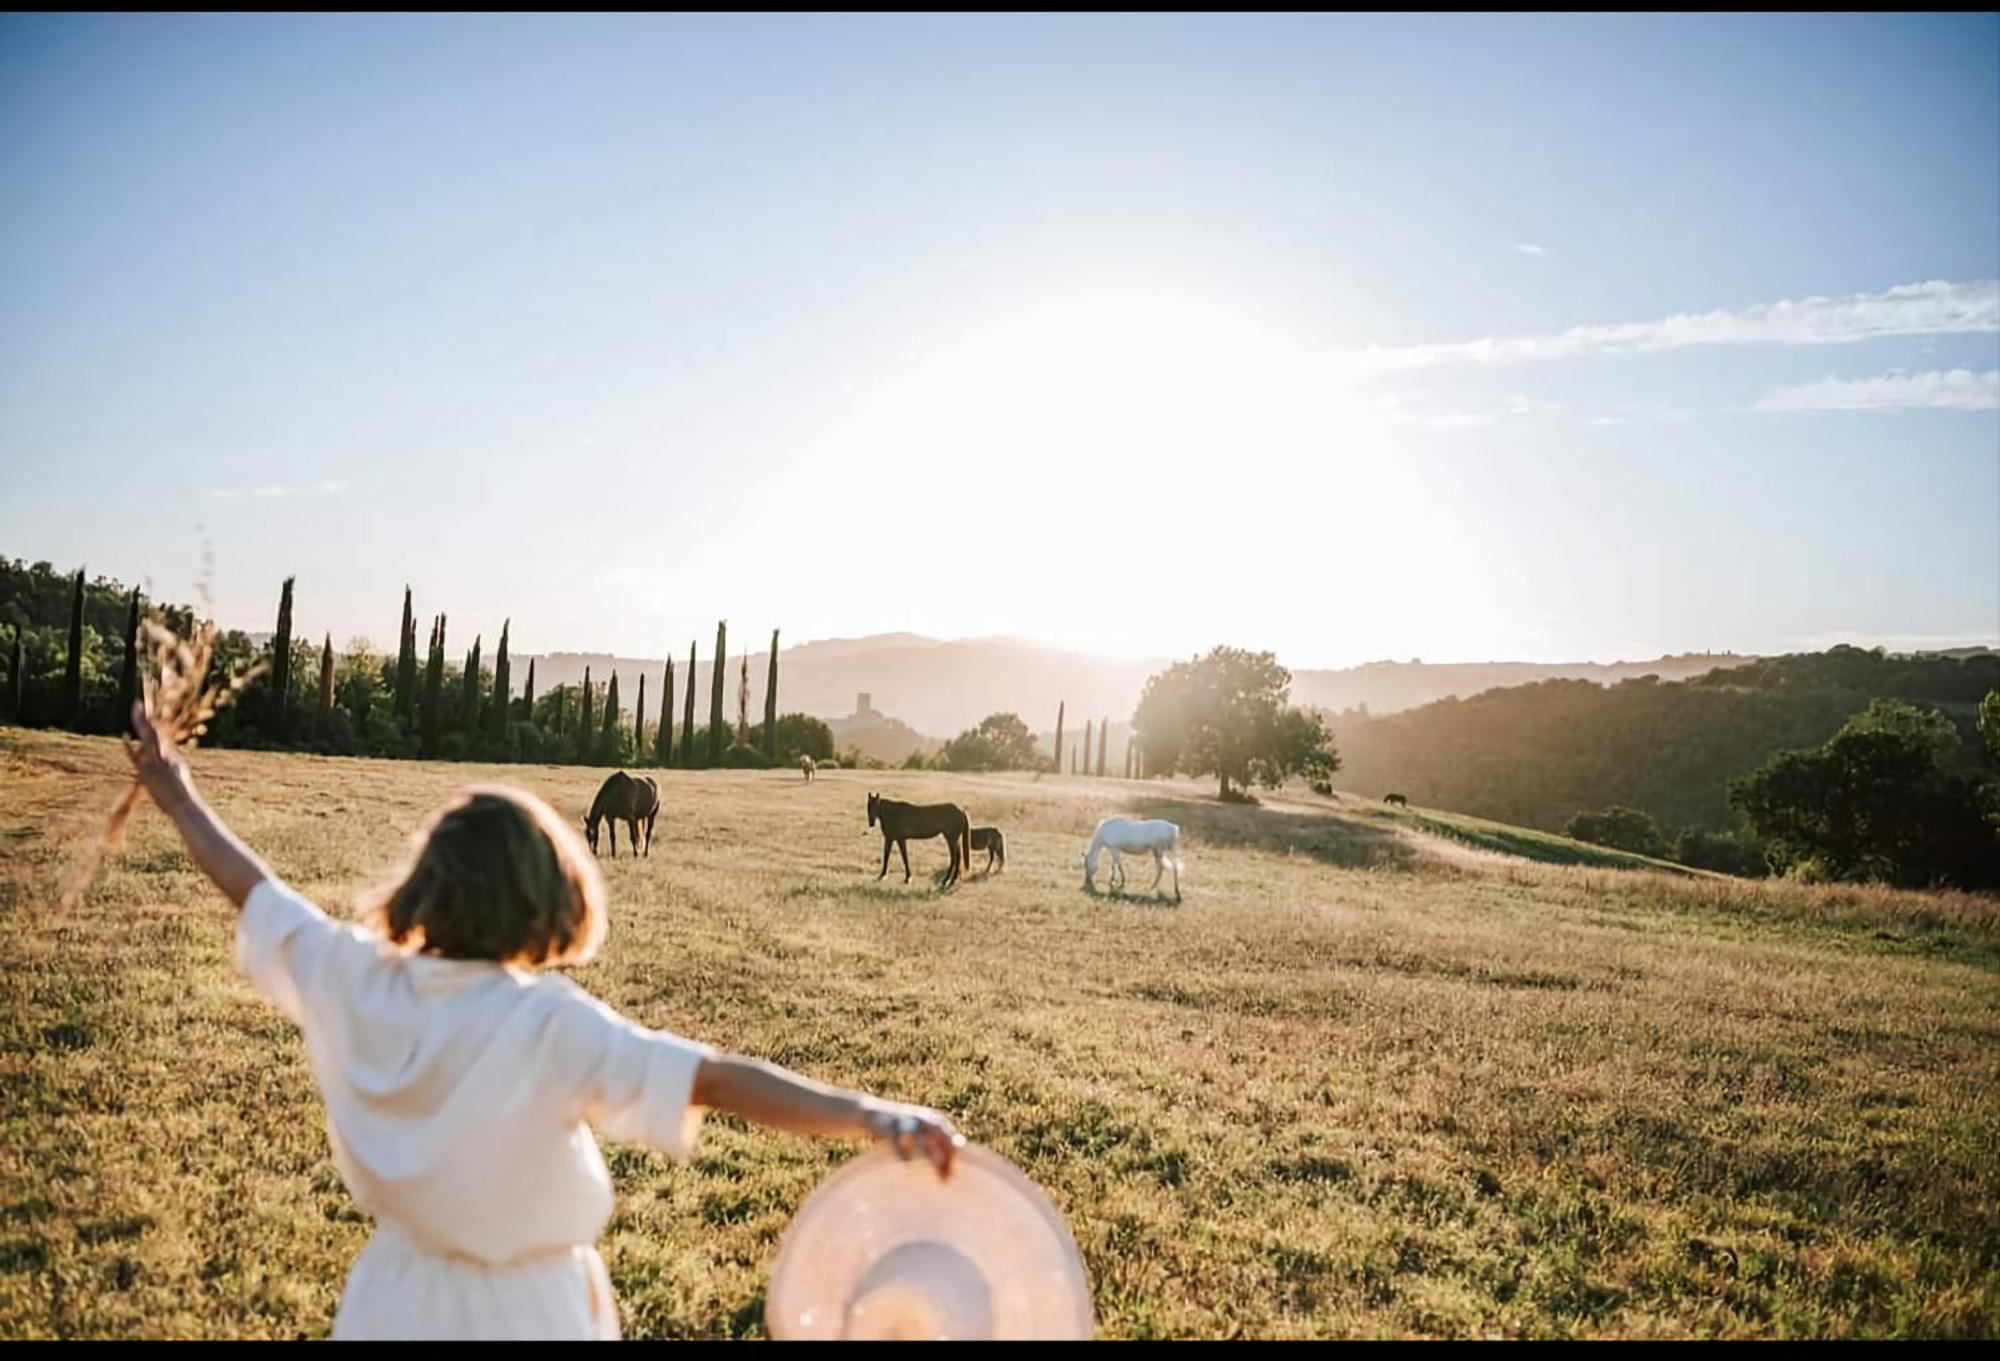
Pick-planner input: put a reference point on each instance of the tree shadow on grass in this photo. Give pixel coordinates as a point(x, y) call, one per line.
point(1327, 837)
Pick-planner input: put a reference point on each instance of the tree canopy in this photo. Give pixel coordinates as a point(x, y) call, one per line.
point(1228, 714)
point(997, 742)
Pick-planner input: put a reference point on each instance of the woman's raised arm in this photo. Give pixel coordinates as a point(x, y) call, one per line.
point(215, 850)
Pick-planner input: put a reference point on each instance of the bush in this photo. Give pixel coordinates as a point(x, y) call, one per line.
point(1622, 829)
point(1721, 851)
point(740, 757)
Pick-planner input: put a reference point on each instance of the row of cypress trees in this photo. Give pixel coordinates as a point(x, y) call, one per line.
point(1079, 759)
point(421, 699)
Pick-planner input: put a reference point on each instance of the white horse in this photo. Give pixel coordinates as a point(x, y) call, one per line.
point(1117, 835)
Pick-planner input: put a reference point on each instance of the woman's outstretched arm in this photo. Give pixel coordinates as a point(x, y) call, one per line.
point(215, 849)
point(766, 1094)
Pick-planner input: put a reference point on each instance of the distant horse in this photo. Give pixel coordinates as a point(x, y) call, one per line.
point(901, 821)
point(624, 799)
point(806, 768)
point(988, 839)
point(1395, 800)
point(1156, 836)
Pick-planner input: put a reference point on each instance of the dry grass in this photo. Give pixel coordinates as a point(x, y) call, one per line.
point(1353, 1085)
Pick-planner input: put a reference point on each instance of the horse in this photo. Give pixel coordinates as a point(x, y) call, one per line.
point(621, 798)
point(1395, 801)
point(988, 839)
point(901, 821)
point(806, 768)
point(1155, 835)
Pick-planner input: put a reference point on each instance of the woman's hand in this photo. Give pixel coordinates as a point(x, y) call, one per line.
point(911, 1130)
point(156, 762)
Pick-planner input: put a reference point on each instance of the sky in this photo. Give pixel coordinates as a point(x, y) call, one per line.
point(1462, 338)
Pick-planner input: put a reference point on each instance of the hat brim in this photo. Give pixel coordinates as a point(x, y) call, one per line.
point(987, 1213)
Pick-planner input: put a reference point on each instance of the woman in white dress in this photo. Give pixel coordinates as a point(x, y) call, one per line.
point(461, 1083)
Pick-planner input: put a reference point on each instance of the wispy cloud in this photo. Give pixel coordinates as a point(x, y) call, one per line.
point(278, 493)
point(1529, 248)
point(1955, 390)
point(1933, 308)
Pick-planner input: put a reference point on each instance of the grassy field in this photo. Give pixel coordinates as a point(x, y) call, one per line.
point(1378, 1074)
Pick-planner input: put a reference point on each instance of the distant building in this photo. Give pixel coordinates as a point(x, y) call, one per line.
point(863, 708)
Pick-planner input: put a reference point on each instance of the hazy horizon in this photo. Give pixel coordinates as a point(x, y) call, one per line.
point(1538, 338)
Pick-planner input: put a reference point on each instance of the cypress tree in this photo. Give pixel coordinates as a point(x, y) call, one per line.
point(281, 665)
point(433, 715)
point(1103, 728)
point(468, 708)
point(583, 731)
point(528, 696)
point(1086, 746)
point(73, 668)
point(666, 738)
point(639, 724)
point(771, 703)
point(503, 685)
point(715, 728)
point(128, 677)
point(687, 716)
point(562, 695)
point(19, 675)
point(325, 683)
point(610, 742)
point(1060, 708)
point(406, 663)
point(743, 703)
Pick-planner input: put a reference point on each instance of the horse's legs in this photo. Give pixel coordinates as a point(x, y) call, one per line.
point(632, 825)
point(904, 846)
point(1159, 868)
point(611, 826)
point(649, 835)
point(885, 857)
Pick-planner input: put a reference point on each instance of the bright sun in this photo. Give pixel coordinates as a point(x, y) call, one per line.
point(1129, 431)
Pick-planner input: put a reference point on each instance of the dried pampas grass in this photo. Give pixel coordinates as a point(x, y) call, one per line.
point(180, 700)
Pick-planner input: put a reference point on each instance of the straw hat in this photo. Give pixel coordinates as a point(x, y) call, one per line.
point(887, 1250)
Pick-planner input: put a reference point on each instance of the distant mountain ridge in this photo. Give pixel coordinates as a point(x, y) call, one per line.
point(940, 687)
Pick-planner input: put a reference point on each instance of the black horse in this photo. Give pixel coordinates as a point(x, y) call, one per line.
point(1396, 800)
point(901, 821)
point(622, 798)
point(988, 839)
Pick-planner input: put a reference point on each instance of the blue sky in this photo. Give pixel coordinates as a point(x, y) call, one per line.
point(1133, 334)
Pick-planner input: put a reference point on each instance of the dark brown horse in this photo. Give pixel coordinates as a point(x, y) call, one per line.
point(988, 839)
point(901, 821)
point(630, 801)
point(1396, 800)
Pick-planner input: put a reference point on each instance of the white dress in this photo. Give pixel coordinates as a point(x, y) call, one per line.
point(458, 1095)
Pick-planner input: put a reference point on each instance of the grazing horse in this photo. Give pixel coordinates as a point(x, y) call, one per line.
point(806, 768)
point(1396, 800)
point(1160, 838)
point(901, 821)
point(988, 839)
point(622, 798)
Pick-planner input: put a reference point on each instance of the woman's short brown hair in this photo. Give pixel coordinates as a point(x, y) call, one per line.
point(497, 875)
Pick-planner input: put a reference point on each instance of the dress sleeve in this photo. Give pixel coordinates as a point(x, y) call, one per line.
point(637, 1085)
point(281, 941)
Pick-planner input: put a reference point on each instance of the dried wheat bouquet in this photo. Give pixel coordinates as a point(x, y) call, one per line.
point(180, 699)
